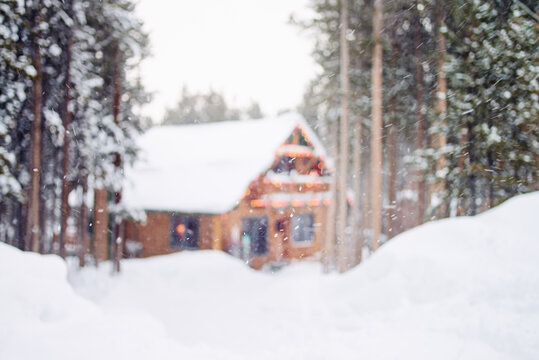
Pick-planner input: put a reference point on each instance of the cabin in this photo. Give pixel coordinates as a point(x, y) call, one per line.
point(256, 189)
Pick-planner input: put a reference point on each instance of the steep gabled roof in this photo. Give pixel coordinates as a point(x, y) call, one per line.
point(206, 168)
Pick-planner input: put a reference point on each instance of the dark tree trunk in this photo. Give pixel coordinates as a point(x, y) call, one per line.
point(83, 238)
point(491, 195)
point(32, 228)
point(117, 240)
point(440, 138)
point(66, 113)
point(471, 176)
point(98, 247)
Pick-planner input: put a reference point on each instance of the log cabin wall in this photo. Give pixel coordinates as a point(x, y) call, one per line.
point(101, 225)
point(154, 235)
point(205, 233)
point(224, 231)
point(281, 246)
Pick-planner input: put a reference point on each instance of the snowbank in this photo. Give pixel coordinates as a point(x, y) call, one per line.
point(41, 317)
point(465, 288)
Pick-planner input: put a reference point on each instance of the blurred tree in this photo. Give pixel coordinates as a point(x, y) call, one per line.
point(62, 122)
point(202, 108)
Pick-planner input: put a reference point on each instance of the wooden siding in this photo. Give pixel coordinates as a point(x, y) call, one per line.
point(216, 232)
point(154, 235)
point(101, 225)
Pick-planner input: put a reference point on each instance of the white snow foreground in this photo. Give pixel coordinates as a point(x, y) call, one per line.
point(465, 288)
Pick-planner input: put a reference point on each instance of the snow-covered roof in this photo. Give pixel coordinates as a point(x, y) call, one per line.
point(206, 168)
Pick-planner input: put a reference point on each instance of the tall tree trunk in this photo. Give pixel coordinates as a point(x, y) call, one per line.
point(392, 142)
point(441, 98)
point(463, 137)
point(491, 195)
point(365, 211)
point(356, 221)
point(329, 244)
point(472, 210)
point(355, 248)
point(83, 238)
point(43, 193)
point(117, 241)
point(22, 236)
point(376, 126)
point(343, 153)
point(98, 247)
point(32, 228)
point(420, 126)
point(66, 186)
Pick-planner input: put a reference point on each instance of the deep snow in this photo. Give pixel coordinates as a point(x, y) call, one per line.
point(461, 288)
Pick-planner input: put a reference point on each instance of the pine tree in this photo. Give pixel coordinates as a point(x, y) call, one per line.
point(121, 45)
point(56, 128)
point(16, 72)
point(492, 99)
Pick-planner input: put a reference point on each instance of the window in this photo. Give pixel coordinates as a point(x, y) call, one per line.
point(302, 228)
point(284, 165)
point(184, 232)
point(254, 233)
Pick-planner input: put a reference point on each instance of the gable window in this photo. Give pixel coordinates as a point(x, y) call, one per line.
point(254, 235)
point(184, 232)
point(284, 165)
point(302, 228)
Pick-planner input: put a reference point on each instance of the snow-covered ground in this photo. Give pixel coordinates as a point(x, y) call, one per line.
point(465, 288)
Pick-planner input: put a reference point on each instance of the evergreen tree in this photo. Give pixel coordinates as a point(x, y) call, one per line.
point(15, 73)
point(62, 123)
point(492, 80)
point(200, 108)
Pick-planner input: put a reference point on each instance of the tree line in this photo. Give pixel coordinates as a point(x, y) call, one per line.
point(206, 107)
point(68, 104)
point(430, 107)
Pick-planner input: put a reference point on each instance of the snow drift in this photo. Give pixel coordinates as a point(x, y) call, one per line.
point(465, 288)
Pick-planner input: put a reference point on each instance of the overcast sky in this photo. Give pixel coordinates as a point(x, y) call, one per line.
point(243, 48)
